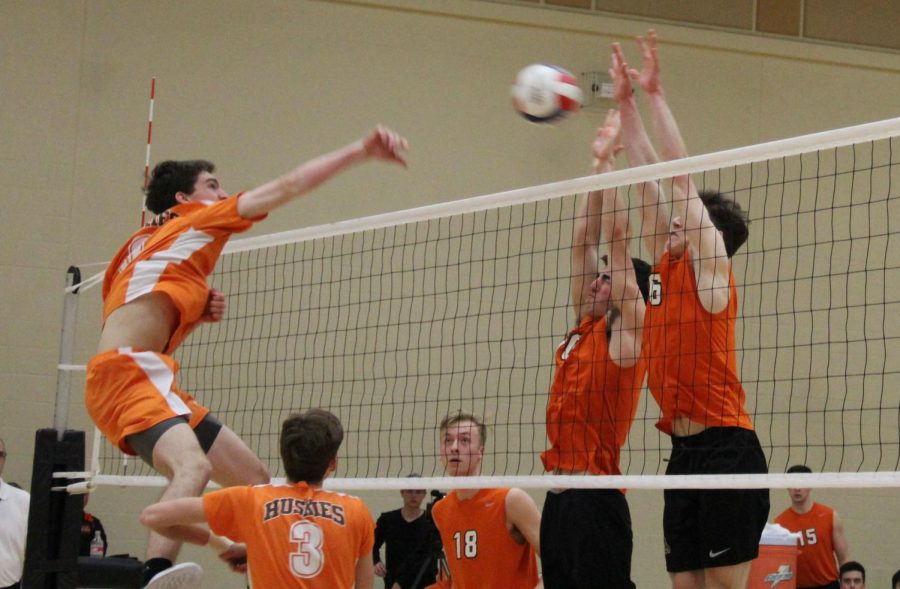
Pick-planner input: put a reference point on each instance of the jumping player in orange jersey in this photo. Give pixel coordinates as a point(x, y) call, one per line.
point(490, 536)
point(155, 293)
point(596, 387)
point(294, 535)
point(710, 536)
point(822, 538)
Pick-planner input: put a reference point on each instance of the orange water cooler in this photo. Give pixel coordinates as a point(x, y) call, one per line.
point(776, 566)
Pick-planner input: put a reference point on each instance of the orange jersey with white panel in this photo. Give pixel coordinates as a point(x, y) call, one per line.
point(691, 352)
point(296, 535)
point(174, 258)
point(479, 548)
point(816, 564)
point(592, 402)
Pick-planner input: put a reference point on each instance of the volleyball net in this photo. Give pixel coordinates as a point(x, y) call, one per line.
point(394, 321)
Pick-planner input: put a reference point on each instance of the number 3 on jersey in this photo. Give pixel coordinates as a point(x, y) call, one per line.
point(308, 559)
point(466, 544)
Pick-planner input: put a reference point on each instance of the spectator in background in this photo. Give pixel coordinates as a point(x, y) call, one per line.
point(409, 535)
point(90, 525)
point(822, 539)
point(14, 517)
point(895, 580)
point(853, 575)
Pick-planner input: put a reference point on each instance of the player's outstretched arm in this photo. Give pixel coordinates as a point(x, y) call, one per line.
point(712, 266)
point(381, 144)
point(523, 515)
point(586, 229)
point(625, 294)
point(654, 208)
point(179, 519)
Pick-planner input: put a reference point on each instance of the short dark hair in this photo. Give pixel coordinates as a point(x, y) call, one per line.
point(171, 177)
point(642, 272)
point(799, 468)
point(852, 565)
point(895, 580)
point(458, 417)
point(309, 442)
point(728, 217)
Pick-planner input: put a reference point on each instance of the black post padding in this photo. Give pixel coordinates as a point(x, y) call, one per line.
point(111, 573)
point(54, 517)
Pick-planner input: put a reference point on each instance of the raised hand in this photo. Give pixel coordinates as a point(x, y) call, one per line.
point(648, 78)
point(384, 144)
point(606, 142)
point(618, 72)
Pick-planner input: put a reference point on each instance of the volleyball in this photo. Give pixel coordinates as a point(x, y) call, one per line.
point(545, 93)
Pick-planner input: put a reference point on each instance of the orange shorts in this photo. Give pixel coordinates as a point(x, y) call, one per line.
point(129, 391)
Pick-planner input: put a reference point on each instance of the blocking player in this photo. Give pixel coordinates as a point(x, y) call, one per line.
point(822, 538)
point(294, 535)
point(596, 387)
point(710, 536)
point(490, 536)
point(155, 293)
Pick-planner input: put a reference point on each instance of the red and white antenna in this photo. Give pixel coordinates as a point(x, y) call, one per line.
point(149, 141)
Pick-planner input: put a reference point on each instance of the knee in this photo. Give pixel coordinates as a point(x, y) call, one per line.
point(193, 465)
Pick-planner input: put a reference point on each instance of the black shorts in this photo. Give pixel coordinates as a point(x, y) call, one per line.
point(586, 540)
point(143, 442)
point(712, 528)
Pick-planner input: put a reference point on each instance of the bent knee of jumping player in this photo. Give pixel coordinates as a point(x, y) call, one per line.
point(178, 456)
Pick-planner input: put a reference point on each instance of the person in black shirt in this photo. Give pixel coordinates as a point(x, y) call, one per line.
point(410, 536)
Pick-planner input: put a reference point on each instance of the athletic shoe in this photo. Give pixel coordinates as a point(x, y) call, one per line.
point(186, 575)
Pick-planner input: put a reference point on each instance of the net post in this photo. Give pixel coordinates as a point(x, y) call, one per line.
point(54, 517)
point(66, 349)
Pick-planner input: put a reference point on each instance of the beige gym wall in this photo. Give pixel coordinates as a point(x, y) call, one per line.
point(260, 86)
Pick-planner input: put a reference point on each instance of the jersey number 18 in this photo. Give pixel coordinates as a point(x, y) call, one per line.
point(466, 544)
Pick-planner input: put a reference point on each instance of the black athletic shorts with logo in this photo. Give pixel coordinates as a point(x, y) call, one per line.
point(705, 529)
point(586, 540)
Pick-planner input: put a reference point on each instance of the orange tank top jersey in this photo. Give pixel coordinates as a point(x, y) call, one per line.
point(480, 551)
point(296, 536)
point(816, 564)
point(691, 353)
point(592, 403)
point(174, 258)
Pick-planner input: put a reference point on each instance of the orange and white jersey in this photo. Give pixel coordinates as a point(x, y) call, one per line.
point(296, 535)
point(592, 402)
point(816, 564)
point(174, 258)
point(479, 548)
point(691, 352)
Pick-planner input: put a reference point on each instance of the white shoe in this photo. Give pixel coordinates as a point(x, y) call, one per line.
point(186, 575)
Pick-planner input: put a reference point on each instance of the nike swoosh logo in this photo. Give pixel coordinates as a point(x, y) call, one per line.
point(719, 553)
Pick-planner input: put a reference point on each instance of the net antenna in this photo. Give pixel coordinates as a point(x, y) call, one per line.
point(149, 143)
point(396, 320)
